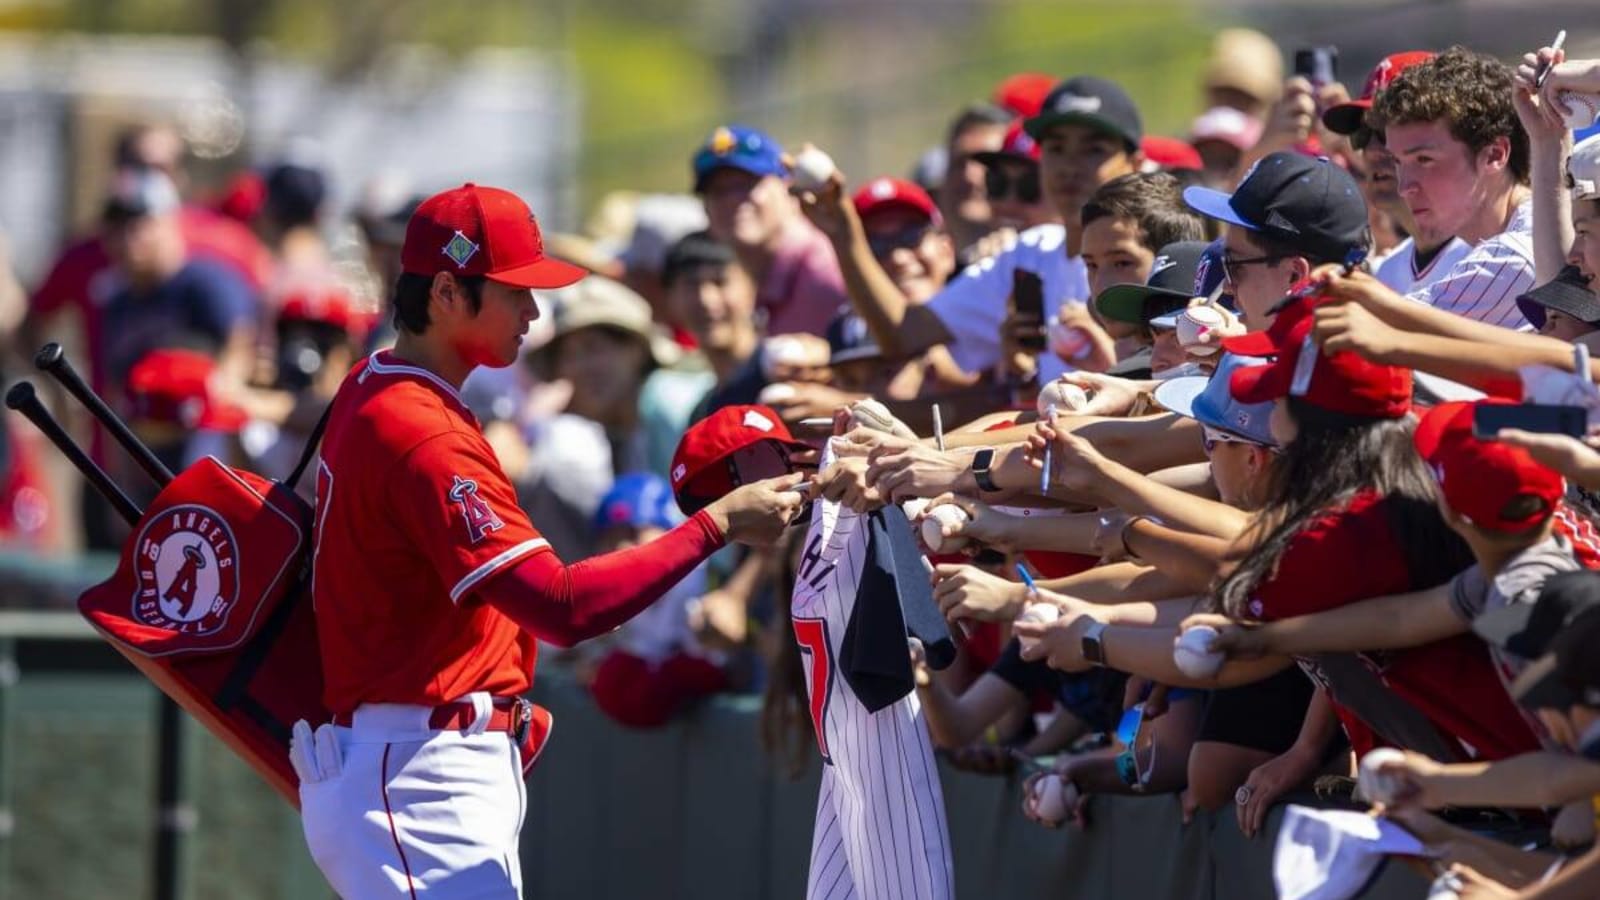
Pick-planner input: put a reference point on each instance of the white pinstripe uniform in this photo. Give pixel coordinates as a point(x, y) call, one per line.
point(880, 830)
point(1399, 269)
point(1485, 284)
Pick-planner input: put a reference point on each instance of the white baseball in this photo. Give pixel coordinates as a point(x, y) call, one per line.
point(1376, 786)
point(915, 507)
point(1195, 322)
point(1040, 613)
point(1068, 341)
point(776, 393)
point(1065, 397)
point(1582, 109)
point(812, 169)
point(1048, 800)
point(872, 414)
point(1191, 656)
point(933, 528)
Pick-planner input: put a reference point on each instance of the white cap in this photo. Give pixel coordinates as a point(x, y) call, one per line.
point(1583, 169)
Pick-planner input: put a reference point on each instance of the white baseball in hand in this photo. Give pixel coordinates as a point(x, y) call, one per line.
point(812, 169)
point(1375, 785)
point(1191, 656)
point(915, 507)
point(1040, 613)
point(1063, 395)
point(1193, 324)
point(1049, 802)
point(1582, 109)
point(933, 528)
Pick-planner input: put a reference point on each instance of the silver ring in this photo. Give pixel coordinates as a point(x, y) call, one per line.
point(1242, 795)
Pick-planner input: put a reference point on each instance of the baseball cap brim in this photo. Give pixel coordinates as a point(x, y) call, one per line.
point(1127, 302)
point(1179, 394)
point(1216, 204)
point(1443, 389)
point(545, 273)
point(1260, 384)
point(1038, 125)
point(1256, 343)
point(1346, 118)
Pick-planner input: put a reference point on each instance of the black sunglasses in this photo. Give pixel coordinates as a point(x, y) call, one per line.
point(908, 238)
point(1000, 185)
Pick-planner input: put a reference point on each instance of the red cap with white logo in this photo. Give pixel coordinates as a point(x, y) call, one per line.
point(1480, 479)
point(895, 193)
point(473, 230)
point(702, 467)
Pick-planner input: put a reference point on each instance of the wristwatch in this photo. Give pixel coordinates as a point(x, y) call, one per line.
point(981, 461)
point(1093, 651)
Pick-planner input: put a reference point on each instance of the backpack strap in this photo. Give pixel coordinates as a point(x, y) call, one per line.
point(310, 450)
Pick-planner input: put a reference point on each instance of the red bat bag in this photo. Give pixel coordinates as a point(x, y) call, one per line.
point(211, 600)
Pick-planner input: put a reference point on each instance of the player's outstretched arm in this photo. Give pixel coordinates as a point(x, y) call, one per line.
point(564, 604)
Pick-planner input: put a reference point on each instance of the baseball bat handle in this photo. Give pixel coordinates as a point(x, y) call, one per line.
point(24, 399)
point(53, 361)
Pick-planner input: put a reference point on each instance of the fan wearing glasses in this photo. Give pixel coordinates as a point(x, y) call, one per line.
point(1011, 179)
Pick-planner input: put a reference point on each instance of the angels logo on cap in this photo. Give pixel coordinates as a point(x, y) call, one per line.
point(187, 571)
point(753, 419)
point(882, 189)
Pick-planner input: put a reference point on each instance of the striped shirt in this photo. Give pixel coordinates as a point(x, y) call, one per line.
point(1485, 284)
point(1399, 270)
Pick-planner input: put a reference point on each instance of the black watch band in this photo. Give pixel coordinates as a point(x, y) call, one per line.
point(981, 462)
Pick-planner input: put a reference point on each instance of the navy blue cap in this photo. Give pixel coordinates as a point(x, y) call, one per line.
point(1087, 100)
point(1305, 201)
point(1169, 287)
point(849, 339)
point(738, 147)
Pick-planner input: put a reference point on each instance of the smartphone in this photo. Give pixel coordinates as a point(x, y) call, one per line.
point(1027, 301)
point(1487, 420)
point(1318, 65)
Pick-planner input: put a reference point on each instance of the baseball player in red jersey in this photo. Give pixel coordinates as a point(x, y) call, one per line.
point(431, 586)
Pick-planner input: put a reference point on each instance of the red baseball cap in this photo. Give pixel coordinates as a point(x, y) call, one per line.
point(1479, 479)
point(1345, 118)
point(1343, 382)
point(702, 466)
point(1017, 145)
point(1170, 153)
point(895, 193)
point(472, 230)
point(1024, 92)
point(329, 304)
point(173, 386)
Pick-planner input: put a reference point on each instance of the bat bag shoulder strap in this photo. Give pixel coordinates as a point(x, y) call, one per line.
point(310, 450)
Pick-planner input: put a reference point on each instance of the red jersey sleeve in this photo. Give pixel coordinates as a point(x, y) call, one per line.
point(453, 500)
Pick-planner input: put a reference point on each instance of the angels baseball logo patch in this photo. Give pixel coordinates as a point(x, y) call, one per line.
point(480, 518)
point(187, 567)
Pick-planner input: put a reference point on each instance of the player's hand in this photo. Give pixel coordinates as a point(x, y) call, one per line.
point(968, 592)
point(916, 471)
point(757, 514)
point(1267, 783)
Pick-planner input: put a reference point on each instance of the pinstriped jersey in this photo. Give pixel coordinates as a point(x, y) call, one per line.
point(880, 831)
point(1485, 283)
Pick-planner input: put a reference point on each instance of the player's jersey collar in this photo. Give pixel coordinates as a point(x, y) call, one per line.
point(377, 365)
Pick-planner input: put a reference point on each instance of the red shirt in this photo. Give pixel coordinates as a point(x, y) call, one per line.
point(413, 514)
point(1352, 554)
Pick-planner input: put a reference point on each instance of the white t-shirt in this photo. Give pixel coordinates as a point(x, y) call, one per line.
point(1485, 284)
point(973, 306)
point(1399, 269)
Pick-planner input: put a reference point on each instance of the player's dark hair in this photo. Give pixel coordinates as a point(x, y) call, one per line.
point(786, 729)
point(693, 251)
point(411, 294)
point(1333, 457)
point(1154, 201)
point(1471, 92)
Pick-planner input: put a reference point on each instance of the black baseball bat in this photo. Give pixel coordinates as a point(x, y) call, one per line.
point(24, 399)
point(51, 360)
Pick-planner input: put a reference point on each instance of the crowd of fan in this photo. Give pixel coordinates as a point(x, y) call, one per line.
point(1228, 382)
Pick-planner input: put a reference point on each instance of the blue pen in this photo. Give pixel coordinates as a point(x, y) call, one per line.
point(1027, 579)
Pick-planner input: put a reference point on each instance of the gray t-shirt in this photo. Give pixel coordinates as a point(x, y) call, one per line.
point(1472, 594)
